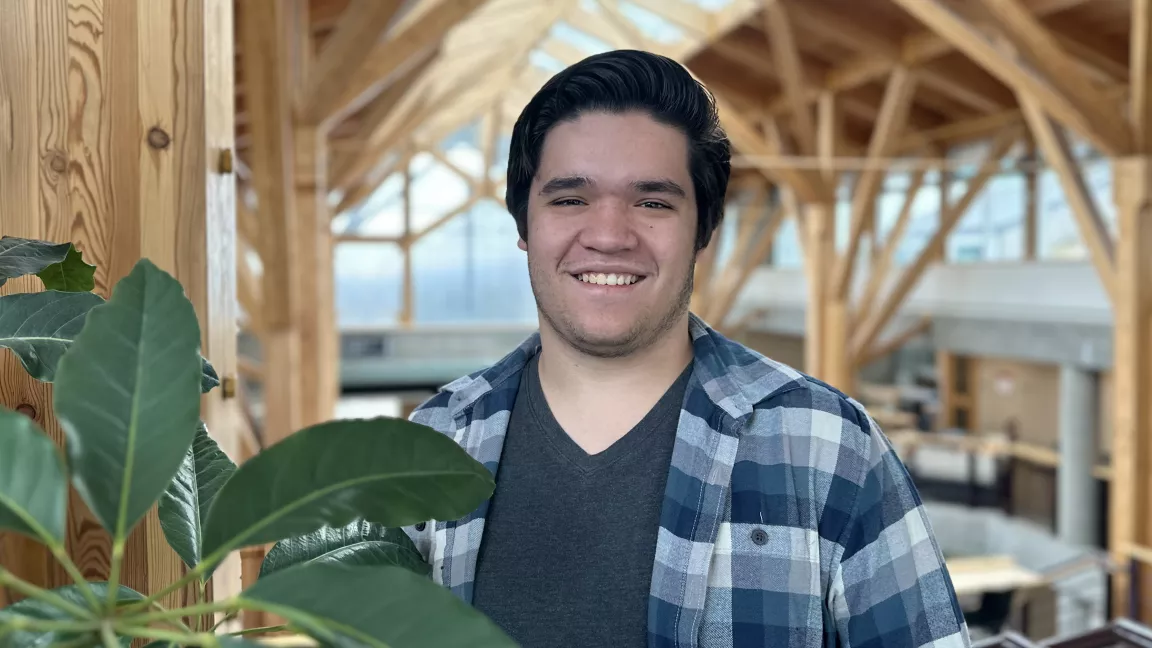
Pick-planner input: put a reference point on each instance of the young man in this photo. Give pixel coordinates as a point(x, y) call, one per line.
point(656, 483)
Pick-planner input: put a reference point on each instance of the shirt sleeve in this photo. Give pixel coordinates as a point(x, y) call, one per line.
point(890, 587)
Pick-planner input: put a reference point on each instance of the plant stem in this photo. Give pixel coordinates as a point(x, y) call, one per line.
point(61, 555)
point(225, 619)
point(74, 571)
point(30, 590)
point(176, 622)
point(172, 587)
point(20, 622)
point(201, 596)
point(109, 636)
point(275, 628)
point(191, 610)
point(114, 573)
point(179, 638)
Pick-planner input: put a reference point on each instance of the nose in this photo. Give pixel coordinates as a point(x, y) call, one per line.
point(608, 228)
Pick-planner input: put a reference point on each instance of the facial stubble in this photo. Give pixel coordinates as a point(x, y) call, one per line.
point(645, 331)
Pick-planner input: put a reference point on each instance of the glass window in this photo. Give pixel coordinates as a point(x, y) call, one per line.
point(1058, 238)
point(786, 250)
point(992, 228)
point(470, 270)
point(369, 278)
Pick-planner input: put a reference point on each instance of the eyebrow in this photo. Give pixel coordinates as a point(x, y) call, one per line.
point(565, 183)
point(660, 186)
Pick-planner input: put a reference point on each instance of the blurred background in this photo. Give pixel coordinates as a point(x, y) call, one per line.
point(939, 206)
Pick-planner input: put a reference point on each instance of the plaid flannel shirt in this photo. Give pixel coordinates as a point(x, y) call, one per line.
point(787, 521)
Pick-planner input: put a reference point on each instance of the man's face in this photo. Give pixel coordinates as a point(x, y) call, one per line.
point(611, 232)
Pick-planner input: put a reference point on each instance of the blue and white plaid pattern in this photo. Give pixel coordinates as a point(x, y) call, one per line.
point(787, 521)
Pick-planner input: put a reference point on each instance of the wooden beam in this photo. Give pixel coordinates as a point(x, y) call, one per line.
point(411, 109)
point(382, 63)
point(829, 132)
point(893, 112)
point(882, 264)
point(894, 343)
point(745, 137)
point(1059, 155)
point(1042, 50)
point(438, 155)
point(266, 42)
point(113, 119)
point(1109, 135)
point(786, 57)
point(870, 329)
point(1141, 74)
point(754, 253)
point(841, 29)
point(816, 225)
point(377, 113)
point(319, 353)
point(1130, 504)
point(359, 27)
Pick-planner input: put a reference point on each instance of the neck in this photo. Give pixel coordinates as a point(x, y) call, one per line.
point(597, 400)
point(659, 363)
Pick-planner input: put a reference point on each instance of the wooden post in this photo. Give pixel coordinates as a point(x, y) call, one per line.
point(1129, 517)
point(114, 119)
point(817, 225)
point(266, 37)
point(318, 336)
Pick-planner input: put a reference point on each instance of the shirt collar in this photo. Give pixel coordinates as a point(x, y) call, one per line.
point(733, 376)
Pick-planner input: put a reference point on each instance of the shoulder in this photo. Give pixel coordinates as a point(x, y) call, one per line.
point(814, 410)
point(435, 412)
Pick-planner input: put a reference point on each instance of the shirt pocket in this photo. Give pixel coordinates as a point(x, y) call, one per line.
point(767, 558)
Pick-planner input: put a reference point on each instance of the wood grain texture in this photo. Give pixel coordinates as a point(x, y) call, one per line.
point(106, 131)
point(1129, 517)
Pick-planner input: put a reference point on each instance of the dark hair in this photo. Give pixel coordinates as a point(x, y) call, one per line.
point(616, 82)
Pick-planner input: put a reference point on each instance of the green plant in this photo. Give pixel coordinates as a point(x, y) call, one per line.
point(127, 377)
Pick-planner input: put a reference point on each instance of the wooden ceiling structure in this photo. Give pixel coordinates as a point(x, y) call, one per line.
point(821, 99)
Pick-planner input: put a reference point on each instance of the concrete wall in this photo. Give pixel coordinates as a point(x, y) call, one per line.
point(1062, 292)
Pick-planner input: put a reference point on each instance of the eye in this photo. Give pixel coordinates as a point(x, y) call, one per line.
point(566, 202)
point(652, 204)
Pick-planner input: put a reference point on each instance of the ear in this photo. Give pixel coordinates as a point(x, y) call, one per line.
point(520, 243)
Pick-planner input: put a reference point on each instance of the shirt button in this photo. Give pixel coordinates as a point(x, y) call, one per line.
point(420, 526)
point(759, 536)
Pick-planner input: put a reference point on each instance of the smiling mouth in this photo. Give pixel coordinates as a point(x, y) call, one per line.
point(602, 279)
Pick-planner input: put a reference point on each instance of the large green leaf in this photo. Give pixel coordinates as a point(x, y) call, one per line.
point(358, 543)
point(39, 327)
point(184, 504)
point(33, 488)
point(21, 256)
point(69, 275)
point(208, 379)
point(389, 471)
point(128, 396)
point(374, 606)
point(36, 609)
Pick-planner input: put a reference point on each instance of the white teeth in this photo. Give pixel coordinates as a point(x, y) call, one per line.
point(602, 279)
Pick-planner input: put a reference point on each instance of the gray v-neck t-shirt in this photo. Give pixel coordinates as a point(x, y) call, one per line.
point(570, 538)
